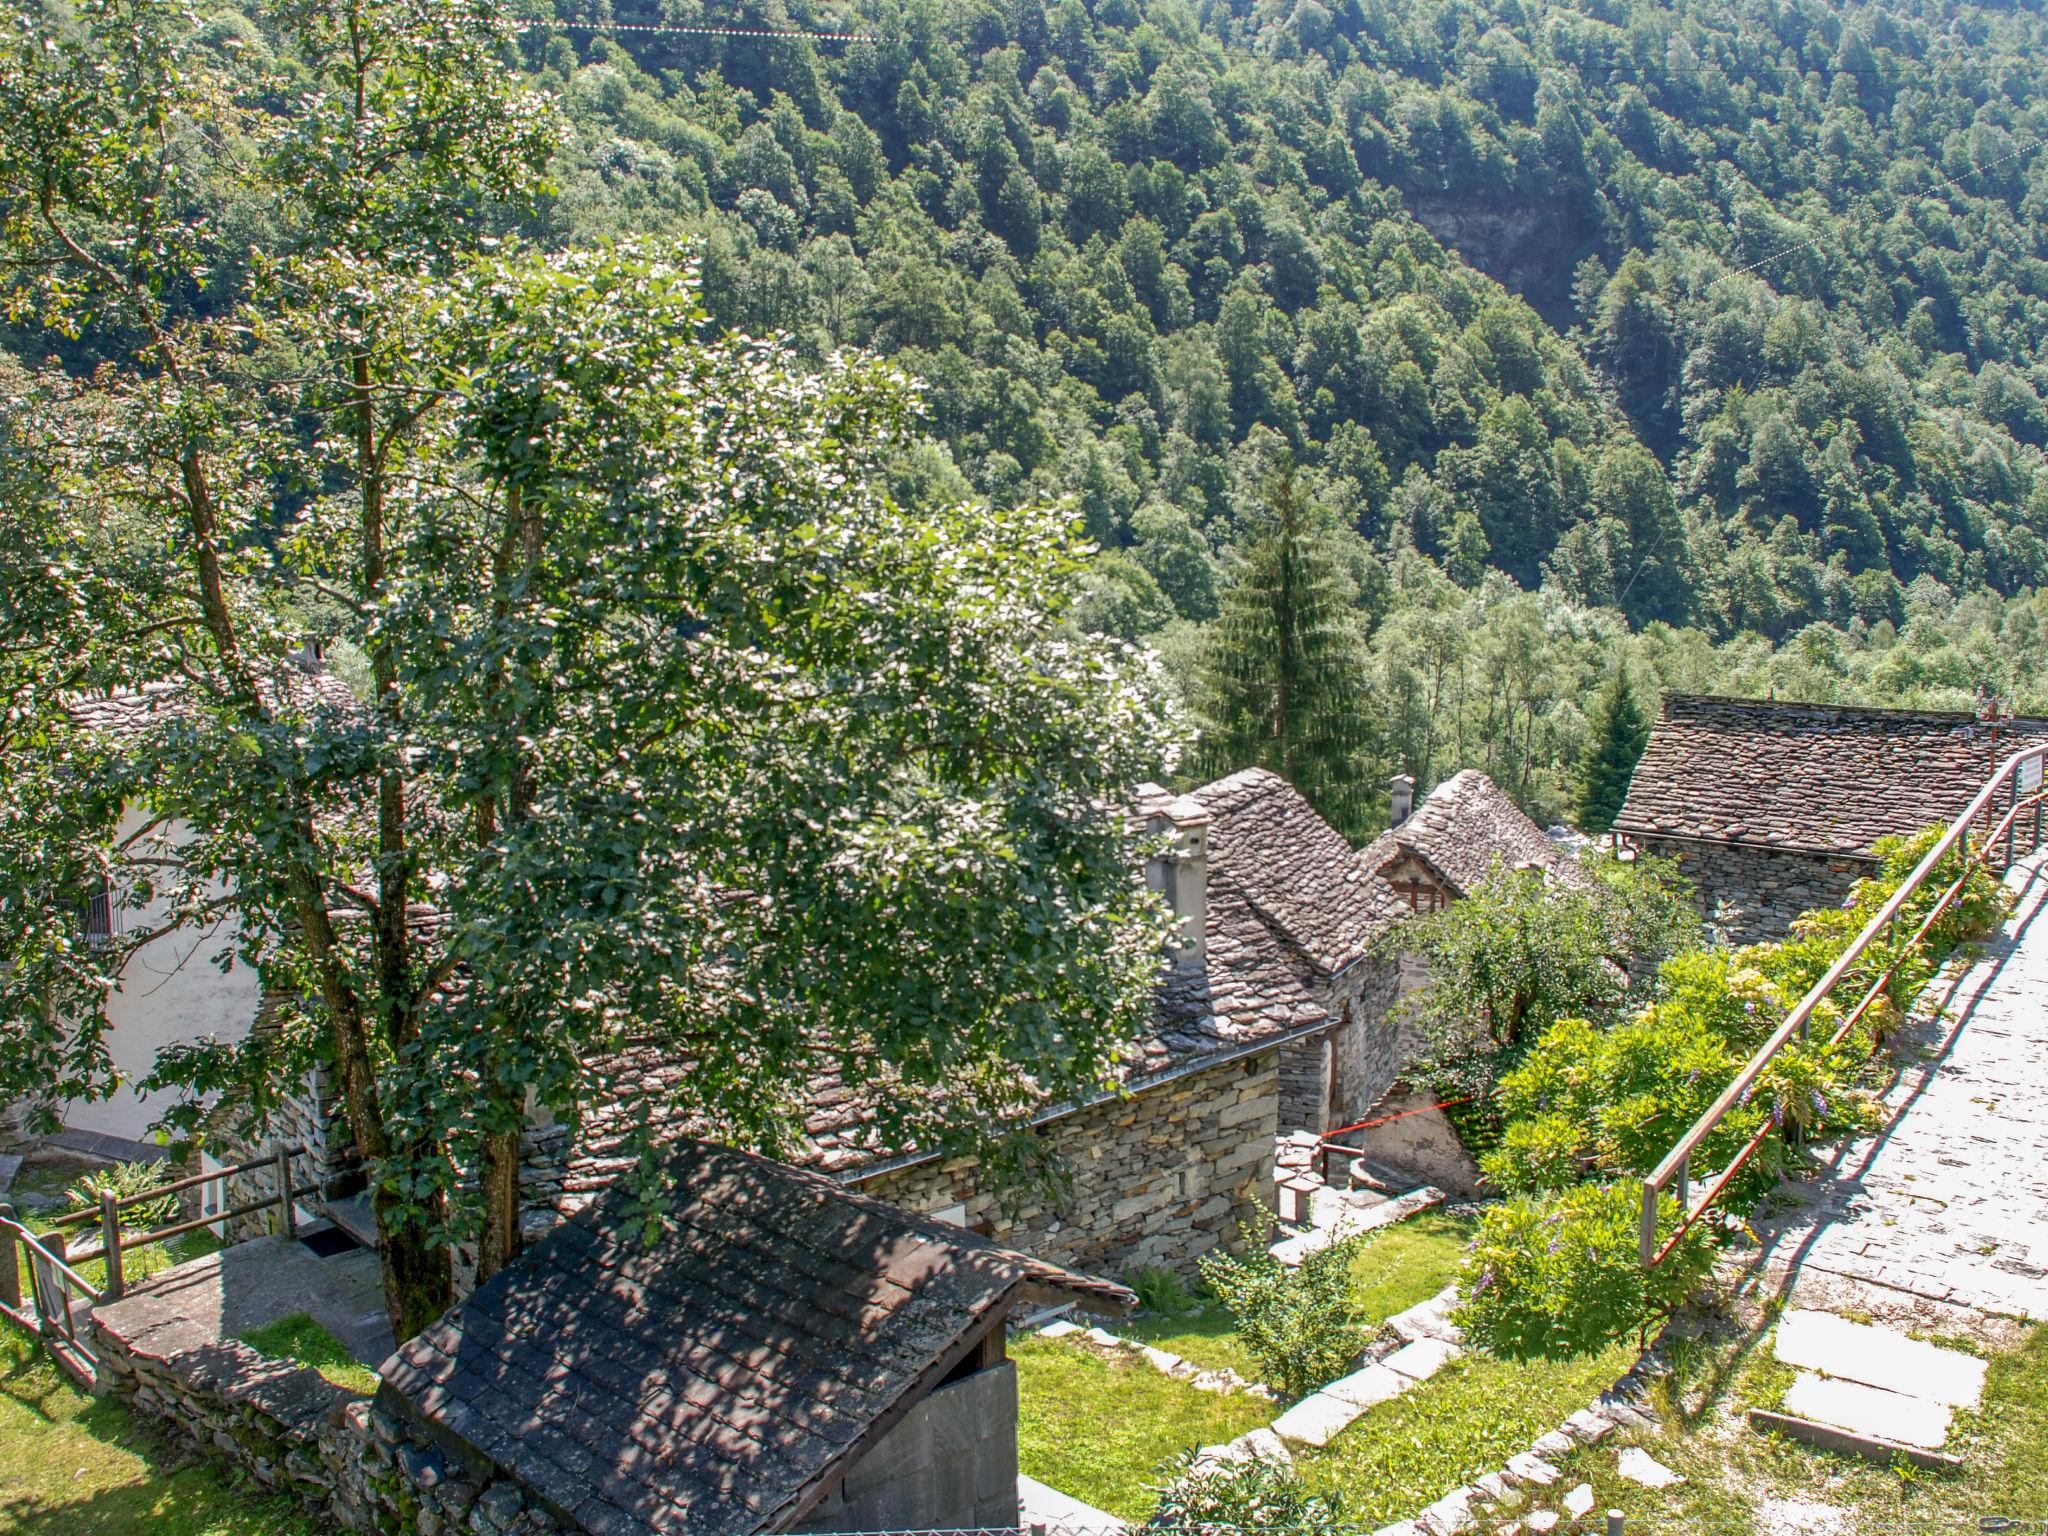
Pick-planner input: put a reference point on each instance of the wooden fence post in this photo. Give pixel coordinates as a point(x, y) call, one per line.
point(110, 1242)
point(10, 1260)
point(287, 1217)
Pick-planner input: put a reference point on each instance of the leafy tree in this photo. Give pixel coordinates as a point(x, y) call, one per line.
point(1282, 686)
point(1299, 1324)
point(1616, 733)
point(674, 723)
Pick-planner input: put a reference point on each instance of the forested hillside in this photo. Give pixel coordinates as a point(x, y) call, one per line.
point(1725, 316)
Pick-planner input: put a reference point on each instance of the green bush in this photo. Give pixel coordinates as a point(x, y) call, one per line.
point(1562, 1275)
point(1299, 1325)
point(122, 1180)
point(1160, 1291)
point(1546, 1152)
point(1241, 1496)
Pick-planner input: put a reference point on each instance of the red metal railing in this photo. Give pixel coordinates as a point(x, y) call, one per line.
point(2019, 778)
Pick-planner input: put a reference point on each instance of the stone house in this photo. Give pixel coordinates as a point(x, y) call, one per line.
point(786, 1355)
point(1772, 808)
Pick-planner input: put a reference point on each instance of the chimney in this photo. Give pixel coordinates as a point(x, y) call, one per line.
point(1401, 802)
point(1180, 871)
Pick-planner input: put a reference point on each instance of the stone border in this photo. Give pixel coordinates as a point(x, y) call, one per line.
point(1217, 1379)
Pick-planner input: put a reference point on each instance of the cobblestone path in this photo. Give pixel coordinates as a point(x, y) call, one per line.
point(1949, 1202)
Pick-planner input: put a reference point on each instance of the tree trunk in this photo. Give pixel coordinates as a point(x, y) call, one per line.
point(499, 1242)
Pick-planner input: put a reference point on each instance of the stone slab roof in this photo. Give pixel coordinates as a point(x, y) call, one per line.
point(128, 714)
point(1813, 778)
point(1463, 828)
point(714, 1381)
point(1293, 869)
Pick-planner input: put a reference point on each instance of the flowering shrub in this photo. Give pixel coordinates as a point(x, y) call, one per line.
point(1234, 1496)
point(1300, 1325)
point(1561, 1274)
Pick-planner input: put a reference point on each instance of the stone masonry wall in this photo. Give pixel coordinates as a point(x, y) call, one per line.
point(1361, 999)
point(297, 1433)
point(1754, 893)
point(1158, 1179)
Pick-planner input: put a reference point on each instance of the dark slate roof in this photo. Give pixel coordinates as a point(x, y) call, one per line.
point(714, 1382)
point(1462, 829)
point(127, 714)
point(1817, 778)
point(1293, 869)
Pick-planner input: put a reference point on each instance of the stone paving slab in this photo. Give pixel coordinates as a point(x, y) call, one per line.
point(1422, 1359)
point(1879, 1357)
point(1041, 1504)
point(1948, 1202)
point(1374, 1384)
point(1869, 1411)
point(1317, 1419)
point(1352, 1221)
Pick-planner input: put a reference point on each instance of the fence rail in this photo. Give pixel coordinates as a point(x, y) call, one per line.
point(58, 1292)
point(2020, 779)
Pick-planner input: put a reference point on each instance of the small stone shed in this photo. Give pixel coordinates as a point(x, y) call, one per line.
point(786, 1355)
point(1774, 808)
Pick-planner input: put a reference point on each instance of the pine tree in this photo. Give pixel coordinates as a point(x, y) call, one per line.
point(1282, 685)
point(1615, 737)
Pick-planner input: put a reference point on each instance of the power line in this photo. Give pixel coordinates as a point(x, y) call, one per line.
point(649, 26)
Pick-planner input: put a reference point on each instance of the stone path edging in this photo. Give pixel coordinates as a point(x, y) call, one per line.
point(1216, 1379)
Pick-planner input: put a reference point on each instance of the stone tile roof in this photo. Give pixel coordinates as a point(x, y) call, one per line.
point(715, 1381)
point(1463, 828)
point(128, 714)
point(1293, 869)
point(1816, 778)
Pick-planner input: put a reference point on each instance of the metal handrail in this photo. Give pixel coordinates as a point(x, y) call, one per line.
point(1675, 1169)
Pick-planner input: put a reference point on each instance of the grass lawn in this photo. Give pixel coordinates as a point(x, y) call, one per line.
point(1736, 1477)
point(1099, 1429)
point(1466, 1420)
point(299, 1338)
point(1404, 1265)
point(1394, 1269)
point(74, 1466)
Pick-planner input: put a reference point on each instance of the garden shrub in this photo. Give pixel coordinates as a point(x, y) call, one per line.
point(1544, 1152)
point(1231, 1496)
point(1160, 1291)
point(122, 1180)
point(1300, 1325)
point(1561, 1275)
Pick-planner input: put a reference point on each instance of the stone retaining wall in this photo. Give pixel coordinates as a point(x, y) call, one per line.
point(299, 1434)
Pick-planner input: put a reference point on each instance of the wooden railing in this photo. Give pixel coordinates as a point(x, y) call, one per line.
point(2019, 781)
point(56, 1289)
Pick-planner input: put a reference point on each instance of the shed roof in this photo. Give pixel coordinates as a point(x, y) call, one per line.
point(1812, 778)
point(1465, 826)
point(713, 1381)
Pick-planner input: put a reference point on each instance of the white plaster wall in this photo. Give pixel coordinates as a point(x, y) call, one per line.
point(171, 991)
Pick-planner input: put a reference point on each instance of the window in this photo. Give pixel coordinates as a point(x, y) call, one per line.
point(97, 916)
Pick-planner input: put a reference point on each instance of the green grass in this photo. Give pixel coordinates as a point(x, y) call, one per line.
point(72, 1465)
point(1205, 1337)
point(1731, 1471)
point(137, 1264)
point(1100, 1429)
point(299, 1338)
point(1403, 1265)
point(1466, 1420)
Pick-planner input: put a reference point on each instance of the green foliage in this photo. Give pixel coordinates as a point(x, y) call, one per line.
point(1616, 733)
point(1281, 686)
point(1518, 954)
point(1300, 1324)
point(1252, 1495)
point(122, 1180)
point(299, 1337)
point(1161, 1292)
point(1561, 1275)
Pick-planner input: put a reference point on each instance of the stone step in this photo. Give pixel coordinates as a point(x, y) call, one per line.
point(1879, 1357)
point(1869, 1411)
point(1352, 1222)
point(1831, 1437)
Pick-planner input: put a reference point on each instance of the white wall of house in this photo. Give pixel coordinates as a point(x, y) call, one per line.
point(172, 991)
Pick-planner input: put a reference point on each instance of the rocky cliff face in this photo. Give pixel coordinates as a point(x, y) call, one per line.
point(1528, 245)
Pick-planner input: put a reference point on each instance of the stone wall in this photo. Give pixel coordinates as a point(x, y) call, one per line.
point(1754, 893)
point(950, 1464)
point(1157, 1179)
point(1313, 1096)
point(1420, 1146)
point(299, 1434)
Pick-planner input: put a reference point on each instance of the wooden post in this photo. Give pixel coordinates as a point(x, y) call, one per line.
point(1615, 1521)
point(10, 1260)
point(110, 1242)
point(287, 1218)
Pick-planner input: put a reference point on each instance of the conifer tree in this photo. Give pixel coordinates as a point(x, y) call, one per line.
point(1615, 737)
point(1282, 685)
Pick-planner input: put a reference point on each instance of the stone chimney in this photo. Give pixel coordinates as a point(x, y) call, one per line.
point(1401, 802)
point(1180, 871)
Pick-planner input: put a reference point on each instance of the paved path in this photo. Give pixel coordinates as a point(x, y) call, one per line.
point(1949, 1201)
